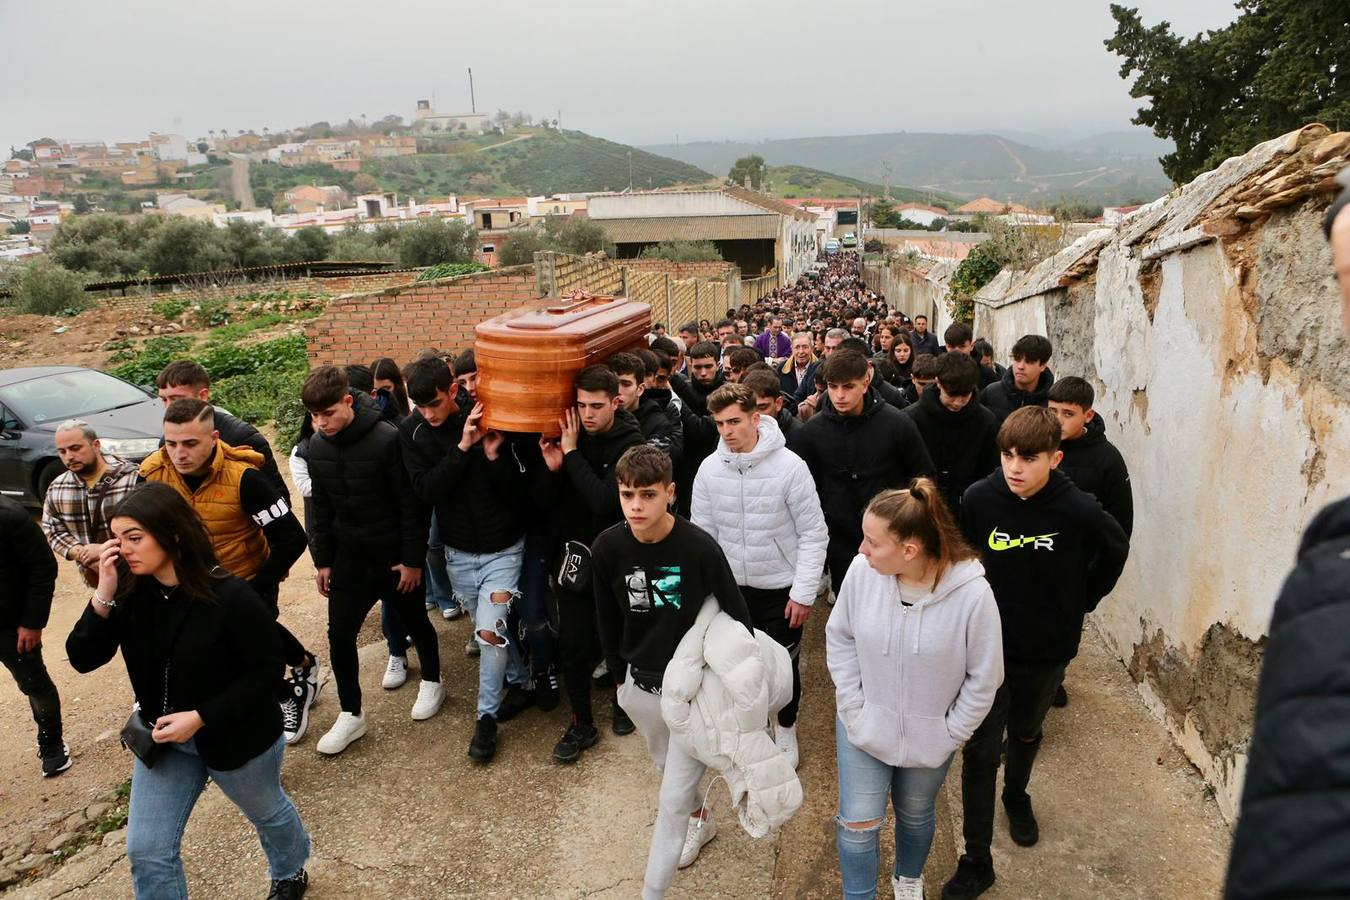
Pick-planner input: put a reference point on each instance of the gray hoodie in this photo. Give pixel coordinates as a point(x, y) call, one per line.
point(913, 683)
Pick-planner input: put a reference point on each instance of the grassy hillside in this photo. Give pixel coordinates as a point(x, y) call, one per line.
point(967, 165)
point(799, 181)
point(529, 161)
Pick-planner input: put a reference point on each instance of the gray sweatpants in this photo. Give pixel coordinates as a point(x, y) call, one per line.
point(680, 776)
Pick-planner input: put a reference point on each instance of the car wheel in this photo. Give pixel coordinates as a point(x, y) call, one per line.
point(46, 475)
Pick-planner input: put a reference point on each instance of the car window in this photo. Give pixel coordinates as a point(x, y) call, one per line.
point(8, 421)
point(67, 395)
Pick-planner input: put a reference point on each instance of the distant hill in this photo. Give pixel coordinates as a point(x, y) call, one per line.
point(529, 161)
point(966, 165)
point(799, 181)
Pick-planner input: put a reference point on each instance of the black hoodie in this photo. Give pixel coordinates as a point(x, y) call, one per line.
point(1004, 397)
point(851, 458)
point(364, 506)
point(588, 496)
point(961, 443)
point(1293, 830)
point(1050, 559)
point(478, 501)
point(1096, 466)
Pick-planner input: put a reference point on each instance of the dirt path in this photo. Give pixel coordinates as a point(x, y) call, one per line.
point(519, 137)
point(404, 813)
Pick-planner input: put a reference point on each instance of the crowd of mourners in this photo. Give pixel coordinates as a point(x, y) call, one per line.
point(653, 567)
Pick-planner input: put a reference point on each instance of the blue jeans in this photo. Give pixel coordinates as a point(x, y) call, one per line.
point(475, 579)
point(864, 782)
point(162, 799)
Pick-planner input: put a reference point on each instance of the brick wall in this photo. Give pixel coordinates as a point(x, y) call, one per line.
point(401, 321)
point(329, 287)
point(719, 270)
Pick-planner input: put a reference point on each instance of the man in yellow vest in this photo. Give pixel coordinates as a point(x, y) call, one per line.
point(253, 531)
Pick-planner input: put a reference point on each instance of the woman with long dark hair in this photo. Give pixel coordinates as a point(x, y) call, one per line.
point(202, 652)
point(900, 358)
point(389, 388)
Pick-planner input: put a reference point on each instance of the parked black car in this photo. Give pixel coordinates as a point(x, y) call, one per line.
point(36, 399)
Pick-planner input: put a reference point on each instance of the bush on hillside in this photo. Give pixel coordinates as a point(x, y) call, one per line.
point(44, 288)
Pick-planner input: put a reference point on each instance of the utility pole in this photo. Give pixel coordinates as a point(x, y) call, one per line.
point(473, 105)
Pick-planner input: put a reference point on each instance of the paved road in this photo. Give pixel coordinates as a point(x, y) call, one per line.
point(239, 183)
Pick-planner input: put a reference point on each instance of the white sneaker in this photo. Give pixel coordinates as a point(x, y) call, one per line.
point(431, 604)
point(601, 670)
point(696, 837)
point(346, 729)
point(451, 613)
point(785, 739)
point(396, 673)
point(907, 888)
point(430, 696)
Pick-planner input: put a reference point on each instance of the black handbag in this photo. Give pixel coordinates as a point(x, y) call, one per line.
point(574, 569)
point(137, 734)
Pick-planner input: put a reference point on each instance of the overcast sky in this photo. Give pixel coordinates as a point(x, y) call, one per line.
point(630, 70)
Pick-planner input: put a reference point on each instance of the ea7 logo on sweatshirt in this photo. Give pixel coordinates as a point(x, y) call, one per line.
point(1001, 540)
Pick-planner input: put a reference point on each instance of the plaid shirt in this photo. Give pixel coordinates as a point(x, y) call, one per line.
point(75, 513)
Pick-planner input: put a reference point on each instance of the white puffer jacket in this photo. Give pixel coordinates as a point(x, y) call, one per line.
point(718, 693)
point(763, 509)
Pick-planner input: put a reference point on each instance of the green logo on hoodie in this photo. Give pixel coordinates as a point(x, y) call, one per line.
point(999, 540)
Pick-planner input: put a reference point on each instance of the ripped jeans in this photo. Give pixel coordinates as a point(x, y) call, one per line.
point(486, 584)
point(864, 784)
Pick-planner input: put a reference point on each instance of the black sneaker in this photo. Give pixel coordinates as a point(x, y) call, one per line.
point(55, 759)
point(290, 888)
point(546, 689)
point(971, 880)
point(1021, 822)
point(622, 724)
point(516, 701)
point(484, 743)
point(1061, 698)
point(577, 738)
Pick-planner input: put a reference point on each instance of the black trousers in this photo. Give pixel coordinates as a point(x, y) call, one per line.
point(355, 587)
point(766, 611)
point(839, 555)
point(578, 647)
point(1019, 708)
point(292, 650)
point(30, 674)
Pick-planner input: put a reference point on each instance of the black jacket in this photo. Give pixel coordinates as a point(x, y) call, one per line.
point(587, 494)
point(1096, 466)
point(238, 433)
point(364, 505)
point(788, 423)
point(1293, 829)
point(700, 436)
point(807, 387)
point(960, 443)
point(1050, 559)
point(478, 501)
point(851, 458)
point(926, 344)
point(224, 659)
point(27, 569)
point(1005, 397)
point(659, 420)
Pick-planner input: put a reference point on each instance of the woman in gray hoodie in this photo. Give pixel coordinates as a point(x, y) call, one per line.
point(916, 653)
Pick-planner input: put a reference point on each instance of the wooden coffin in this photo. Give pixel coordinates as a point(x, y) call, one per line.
point(529, 357)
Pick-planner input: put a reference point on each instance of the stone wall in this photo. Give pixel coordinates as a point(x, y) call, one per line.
point(1209, 324)
point(327, 287)
point(401, 321)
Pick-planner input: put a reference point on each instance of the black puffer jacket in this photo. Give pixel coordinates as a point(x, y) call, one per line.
point(1004, 398)
point(1293, 828)
point(961, 443)
point(363, 501)
point(851, 458)
point(1096, 466)
point(238, 433)
point(478, 501)
point(588, 495)
point(27, 569)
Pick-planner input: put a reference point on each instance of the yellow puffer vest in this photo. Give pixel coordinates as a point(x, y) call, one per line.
point(238, 541)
